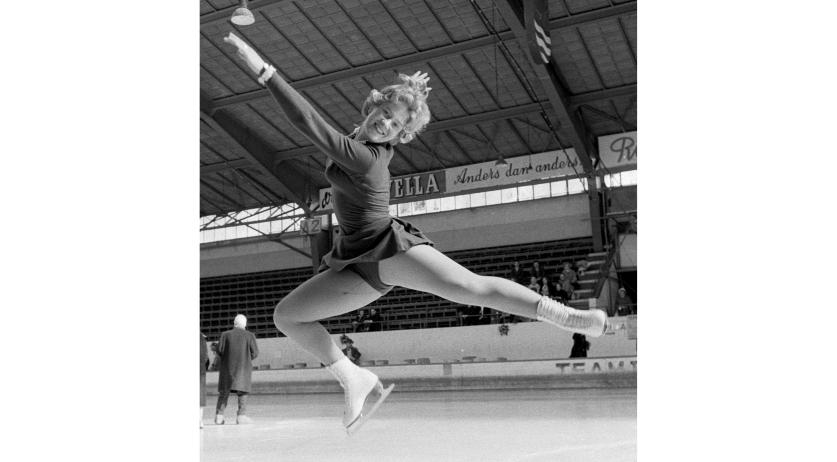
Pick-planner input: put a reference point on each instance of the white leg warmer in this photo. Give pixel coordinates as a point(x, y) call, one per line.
point(589, 322)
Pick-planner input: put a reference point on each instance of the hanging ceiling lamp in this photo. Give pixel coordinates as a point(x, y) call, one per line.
point(501, 162)
point(242, 16)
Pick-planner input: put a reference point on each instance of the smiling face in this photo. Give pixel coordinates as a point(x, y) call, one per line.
point(385, 123)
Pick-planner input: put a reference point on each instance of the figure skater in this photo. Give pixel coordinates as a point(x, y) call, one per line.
point(373, 251)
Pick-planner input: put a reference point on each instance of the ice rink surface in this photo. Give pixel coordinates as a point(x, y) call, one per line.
point(595, 425)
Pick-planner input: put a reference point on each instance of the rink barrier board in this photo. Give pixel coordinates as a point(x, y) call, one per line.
point(611, 372)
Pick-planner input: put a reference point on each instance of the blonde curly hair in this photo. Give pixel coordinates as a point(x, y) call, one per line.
point(409, 92)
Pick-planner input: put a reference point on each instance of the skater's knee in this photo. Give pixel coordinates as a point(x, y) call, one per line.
point(283, 315)
point(466, 288)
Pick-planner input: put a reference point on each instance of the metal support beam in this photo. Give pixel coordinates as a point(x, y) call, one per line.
point(422, 56)
point(270, 237)
point(290, 181)
point(551, 80)
point(490, 116)
point(444, 125)
point(226, 165)
point(599, 95)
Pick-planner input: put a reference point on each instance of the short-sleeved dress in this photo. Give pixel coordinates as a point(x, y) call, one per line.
point(359, 176)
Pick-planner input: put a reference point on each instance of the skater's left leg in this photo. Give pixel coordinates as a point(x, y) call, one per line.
point(426, 269)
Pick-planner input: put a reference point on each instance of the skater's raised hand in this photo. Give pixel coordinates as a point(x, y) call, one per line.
point(419, 82)
point(245, 53)
point(420, 77)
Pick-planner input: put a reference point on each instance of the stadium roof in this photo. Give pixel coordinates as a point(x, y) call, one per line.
point(488, 99)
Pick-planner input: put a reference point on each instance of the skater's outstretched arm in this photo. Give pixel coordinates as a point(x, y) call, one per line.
point(346, 152)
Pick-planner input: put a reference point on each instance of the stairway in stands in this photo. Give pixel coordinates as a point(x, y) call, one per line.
point(596, 270)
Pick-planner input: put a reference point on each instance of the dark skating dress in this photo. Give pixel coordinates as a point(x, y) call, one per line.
point(359, 176)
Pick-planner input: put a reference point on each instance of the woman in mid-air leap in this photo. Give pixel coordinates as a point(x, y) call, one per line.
point(374, 251)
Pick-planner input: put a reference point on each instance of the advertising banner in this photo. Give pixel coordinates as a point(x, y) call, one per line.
point(485, 175)
point(596, 365)
point(552, 164)
point(416, 187)
point(618, 150)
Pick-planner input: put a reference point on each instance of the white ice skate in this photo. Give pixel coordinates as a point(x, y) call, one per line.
point(588, 322)
point(358, 385)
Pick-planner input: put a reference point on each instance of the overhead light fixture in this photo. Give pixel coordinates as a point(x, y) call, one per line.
point(500, 161)
point(242, 16)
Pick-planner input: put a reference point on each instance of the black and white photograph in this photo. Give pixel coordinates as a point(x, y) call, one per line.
point(418, 230)
point(408, 230)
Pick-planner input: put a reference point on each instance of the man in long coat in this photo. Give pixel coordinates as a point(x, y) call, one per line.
point(237, 349)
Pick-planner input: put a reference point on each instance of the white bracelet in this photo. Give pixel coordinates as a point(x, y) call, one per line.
point(266, 73)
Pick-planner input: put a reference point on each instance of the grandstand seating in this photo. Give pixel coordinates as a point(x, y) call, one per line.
point(255, 294)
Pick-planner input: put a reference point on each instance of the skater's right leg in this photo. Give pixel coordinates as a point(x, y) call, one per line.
point(327, 294)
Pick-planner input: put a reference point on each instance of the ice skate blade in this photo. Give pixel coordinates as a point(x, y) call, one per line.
point(353, 427)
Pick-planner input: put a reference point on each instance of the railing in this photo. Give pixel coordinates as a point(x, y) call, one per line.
point(626, 309)
point(604, 271)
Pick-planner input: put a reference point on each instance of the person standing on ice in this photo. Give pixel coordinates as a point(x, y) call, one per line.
point(237, 349)
point(374, 251)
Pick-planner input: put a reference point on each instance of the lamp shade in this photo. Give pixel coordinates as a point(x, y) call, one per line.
point(242, 16)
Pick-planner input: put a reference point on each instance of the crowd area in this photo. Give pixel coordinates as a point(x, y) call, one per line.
point(561, 284)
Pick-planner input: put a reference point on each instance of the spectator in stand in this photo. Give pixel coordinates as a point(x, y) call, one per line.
point(517, 274)
point(349, 349)
point(238, 349)
point(566, 285)
point(546, 282)
point(375, 320)
point(534, 285)
point(361, 322)
point(624, 304)
point(580, 346)
point(583, 266)
point(570, 275)
point(561, 295)
point(545, 290)
point(537, 271)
